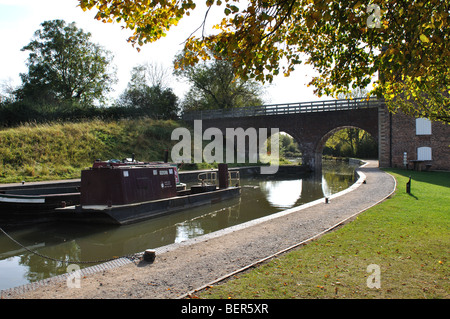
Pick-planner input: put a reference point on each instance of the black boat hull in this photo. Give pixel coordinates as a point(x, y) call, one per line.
point(133, 213)
point(29, 206)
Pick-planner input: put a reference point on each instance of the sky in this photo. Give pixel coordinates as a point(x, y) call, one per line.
point(19, 19)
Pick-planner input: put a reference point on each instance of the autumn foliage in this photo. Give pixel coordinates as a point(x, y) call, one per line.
point(349, 42)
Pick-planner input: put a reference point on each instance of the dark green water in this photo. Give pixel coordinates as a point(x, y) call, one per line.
point(261, 196)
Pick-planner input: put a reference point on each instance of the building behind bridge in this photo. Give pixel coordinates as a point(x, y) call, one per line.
point(411, 142)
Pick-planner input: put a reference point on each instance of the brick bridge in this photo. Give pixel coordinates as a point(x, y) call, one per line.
point(309, 123)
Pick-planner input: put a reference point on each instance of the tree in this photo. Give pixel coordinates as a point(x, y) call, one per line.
point(289, 147)
point(65, 66)
point(347, 41)
point(151, 74)
point(7, 92)
point(147, 94)
point(214, 85)
point(351, 142)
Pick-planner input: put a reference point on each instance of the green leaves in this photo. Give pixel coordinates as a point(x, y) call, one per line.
point(63, 65)
point(150, 20)
point(148, 94)
point(215, 86)
point(424, 38)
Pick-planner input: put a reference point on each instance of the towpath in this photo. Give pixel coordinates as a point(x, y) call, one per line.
point(180, 268)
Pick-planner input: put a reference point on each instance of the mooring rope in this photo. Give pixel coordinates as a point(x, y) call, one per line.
point(131, 257)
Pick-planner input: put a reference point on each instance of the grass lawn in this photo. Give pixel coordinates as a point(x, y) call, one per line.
point(406, 236)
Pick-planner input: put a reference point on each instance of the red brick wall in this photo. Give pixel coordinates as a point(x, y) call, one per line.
point(404, 139)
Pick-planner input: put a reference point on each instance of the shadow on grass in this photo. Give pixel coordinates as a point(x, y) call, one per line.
point(433, 177)
point(414, 196)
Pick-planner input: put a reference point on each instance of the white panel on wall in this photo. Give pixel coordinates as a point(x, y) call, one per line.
point(424, 153)
point(423, 126)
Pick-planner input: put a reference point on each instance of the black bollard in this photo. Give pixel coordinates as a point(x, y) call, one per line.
point(149, 255)
point(408, 186)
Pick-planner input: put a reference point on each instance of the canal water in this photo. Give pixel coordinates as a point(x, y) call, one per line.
point(261, 196)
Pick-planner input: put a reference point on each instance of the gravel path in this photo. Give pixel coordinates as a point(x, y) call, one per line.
point(180, 268)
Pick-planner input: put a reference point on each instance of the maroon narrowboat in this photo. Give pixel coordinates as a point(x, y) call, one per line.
point(124, 194)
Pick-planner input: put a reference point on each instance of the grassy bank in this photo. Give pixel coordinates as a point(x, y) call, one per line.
point(54, 151)
point(407, 236)
point(61, 150)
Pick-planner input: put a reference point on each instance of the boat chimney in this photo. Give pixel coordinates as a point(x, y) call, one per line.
point(166, 156)
point(223, 176)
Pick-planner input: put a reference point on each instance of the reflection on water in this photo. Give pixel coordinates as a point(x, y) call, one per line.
point(282, 194)
point(261, 196)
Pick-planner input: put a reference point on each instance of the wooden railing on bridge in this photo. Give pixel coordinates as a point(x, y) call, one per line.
point(288, 108)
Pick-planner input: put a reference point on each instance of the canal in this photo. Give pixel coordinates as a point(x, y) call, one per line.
point(261, 196)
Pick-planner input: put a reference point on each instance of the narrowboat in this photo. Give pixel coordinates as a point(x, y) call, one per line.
point(27, 204)
point(113, 193)
point(35, 202)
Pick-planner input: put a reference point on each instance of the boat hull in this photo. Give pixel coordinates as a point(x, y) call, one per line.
point(29, 206)
point(132, 213)
point(16, 211)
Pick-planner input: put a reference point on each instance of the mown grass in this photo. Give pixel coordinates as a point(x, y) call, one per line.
point(51, 151)
point(407, 236)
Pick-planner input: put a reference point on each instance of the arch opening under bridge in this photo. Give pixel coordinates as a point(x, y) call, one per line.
point(309, 123)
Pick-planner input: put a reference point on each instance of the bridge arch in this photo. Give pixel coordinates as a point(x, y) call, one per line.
point(309, 123)
point(294, 149)
point(318, 152)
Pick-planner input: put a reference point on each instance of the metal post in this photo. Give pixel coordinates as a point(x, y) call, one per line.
point(405, 160)
point(223, 176)
point(408, 186)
